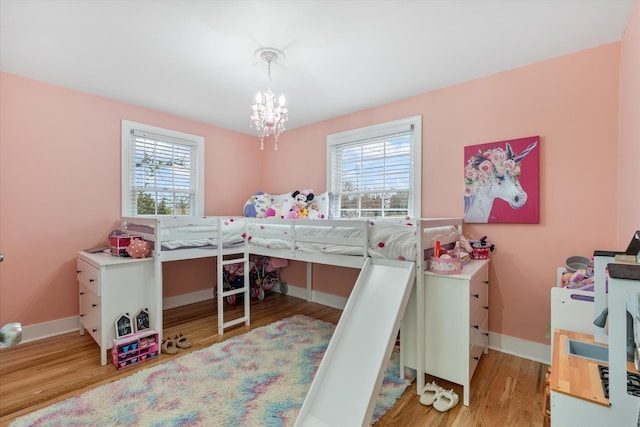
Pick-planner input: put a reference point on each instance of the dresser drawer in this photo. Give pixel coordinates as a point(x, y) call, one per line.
point(89, 276)
point(478, 312)
point(477, 343)
point(90, 311)
point(478, 293)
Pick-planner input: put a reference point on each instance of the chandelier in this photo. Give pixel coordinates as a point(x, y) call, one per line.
point(268, 118)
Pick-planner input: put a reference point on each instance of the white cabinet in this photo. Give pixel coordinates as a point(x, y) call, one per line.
point(455, 315)
point(110, 286)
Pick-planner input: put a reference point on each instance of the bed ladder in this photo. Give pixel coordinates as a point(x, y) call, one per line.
point(222, 294)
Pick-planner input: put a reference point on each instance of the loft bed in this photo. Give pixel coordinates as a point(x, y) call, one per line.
point(340, 242)
point(353, 243)
point(191, 237)
point(349, 242)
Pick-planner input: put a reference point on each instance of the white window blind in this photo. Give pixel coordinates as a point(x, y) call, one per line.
point(162, 173)
point(374, 171)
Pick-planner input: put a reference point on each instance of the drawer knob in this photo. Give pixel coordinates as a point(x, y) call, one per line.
point(486, 307)
point(485, 333)
point(94, 305)
point(486, 282)
point(82, 315)
point(91, 280)
point(78, 271)
point(476, 358)
point(94, 330)
point(476, 326)
point(476, 295)
point(81, 293)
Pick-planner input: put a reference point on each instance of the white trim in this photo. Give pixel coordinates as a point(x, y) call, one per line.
point(380, 130)
point(522, 348)
point(199, 141)
point(43, 330)
point(186, 299)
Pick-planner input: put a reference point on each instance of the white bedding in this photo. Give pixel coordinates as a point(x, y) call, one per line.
point(389, 239)
point(193, 236)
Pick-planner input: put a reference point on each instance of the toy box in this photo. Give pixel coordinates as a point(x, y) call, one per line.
point(119, 243)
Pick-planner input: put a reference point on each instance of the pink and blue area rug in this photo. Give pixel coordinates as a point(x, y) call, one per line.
point(257, 379)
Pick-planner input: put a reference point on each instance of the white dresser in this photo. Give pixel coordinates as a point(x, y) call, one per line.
point(110, 286)
point(455, 316)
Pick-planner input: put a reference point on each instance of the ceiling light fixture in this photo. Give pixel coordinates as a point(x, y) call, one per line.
point(268, 118)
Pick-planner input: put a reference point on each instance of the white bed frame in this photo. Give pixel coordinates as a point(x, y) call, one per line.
point(232, 255)
point(224, 255)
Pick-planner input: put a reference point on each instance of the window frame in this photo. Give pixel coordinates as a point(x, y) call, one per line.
point(379, 131)
point(197, 162)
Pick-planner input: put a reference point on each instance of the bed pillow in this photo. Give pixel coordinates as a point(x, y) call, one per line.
point(256, 206)
point(324, 203)
point(285, 201)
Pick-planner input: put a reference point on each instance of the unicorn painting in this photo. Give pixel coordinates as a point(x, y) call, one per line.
point(495, 173)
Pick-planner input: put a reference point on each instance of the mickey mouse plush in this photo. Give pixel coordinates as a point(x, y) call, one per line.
point(300, 200)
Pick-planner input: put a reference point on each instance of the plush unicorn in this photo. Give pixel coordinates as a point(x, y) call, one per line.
point(493, 174)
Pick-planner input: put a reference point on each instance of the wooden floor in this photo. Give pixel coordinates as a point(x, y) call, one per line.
point(505, 390)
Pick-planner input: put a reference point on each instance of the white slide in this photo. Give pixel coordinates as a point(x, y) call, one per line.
point(345, 388)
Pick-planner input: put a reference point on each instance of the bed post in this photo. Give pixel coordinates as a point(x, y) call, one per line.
point(158, 280)
point(309, 281)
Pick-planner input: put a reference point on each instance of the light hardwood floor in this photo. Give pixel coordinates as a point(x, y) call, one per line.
point(506, 390)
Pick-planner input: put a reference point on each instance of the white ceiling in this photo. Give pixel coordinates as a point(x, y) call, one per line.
point(195, 59)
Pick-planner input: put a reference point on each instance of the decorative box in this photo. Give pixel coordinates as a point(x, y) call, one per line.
point(119, 243)
point(445, 265)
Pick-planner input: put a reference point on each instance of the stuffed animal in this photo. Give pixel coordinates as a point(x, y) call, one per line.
point(138, 248)
point(257, 205)
point(313, 211)
point(300, 201)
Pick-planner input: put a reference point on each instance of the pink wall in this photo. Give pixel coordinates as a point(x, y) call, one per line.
point(60, 190)
point(628, 195)
point(572, 102)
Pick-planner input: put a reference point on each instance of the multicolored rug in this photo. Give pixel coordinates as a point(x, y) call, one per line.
point(257, 379)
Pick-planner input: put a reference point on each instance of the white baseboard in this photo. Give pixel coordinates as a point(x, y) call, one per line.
point(329, 300)
point(39, 331)
point(503, 343)
point(521, 348)
point(186, 299)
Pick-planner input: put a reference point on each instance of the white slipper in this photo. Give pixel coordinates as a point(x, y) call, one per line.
point(429, 393)
point(445, 400)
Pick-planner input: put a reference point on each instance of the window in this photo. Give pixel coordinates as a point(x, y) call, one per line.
point(162, 171)
point(375, 171)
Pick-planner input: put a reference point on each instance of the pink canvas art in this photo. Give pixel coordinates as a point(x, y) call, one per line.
point(501, 182)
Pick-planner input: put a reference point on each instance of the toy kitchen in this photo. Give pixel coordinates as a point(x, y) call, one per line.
point(595, 345)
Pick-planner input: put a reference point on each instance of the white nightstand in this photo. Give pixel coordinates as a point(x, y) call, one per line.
point(110, 286)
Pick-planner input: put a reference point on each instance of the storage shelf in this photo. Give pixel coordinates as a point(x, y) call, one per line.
point(134, 349)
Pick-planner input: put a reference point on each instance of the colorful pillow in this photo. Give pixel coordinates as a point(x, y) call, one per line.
point(284, 201)
point(256, 206)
